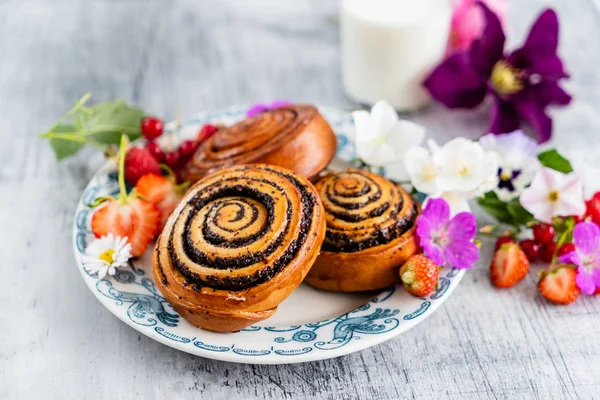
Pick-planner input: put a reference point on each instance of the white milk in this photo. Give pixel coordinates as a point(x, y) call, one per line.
point(389, 46)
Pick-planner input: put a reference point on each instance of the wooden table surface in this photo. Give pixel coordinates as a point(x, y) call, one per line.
point(56, 340)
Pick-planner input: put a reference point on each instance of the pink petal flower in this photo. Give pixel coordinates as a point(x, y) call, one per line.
point(461, 254)
point(437, 212)
point(596, 276)
point(467, 22)
point(571, 258)
point(462, 227)
point(259, 108)
point(444, 240)
point(586, 238)
point(585, 281)
point(434, 252)
point(552, 194)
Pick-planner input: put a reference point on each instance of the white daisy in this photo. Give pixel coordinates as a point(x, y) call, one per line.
point(106, 254)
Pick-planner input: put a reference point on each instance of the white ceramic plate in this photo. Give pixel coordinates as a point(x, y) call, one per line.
point(309, 325)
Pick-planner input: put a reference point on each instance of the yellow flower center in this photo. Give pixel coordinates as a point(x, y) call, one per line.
point(380, 140)
point(506, 79)
point(462, 167)
point(429, 172)
point(505, 176)
point(553, 196)
point(107, 256)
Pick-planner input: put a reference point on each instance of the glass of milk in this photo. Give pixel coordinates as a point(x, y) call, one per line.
point(389, 46)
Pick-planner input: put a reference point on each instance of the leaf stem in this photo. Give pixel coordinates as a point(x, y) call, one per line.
point(89, 132)
point(122, 152)
point(72, 111)
point(75, 138)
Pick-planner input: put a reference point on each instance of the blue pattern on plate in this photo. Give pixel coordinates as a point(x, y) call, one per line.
point(146, 307)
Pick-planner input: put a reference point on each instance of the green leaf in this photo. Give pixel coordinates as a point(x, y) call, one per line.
point(511, 212)
point(109, 120)
point(495, 207)
point(62, 147)
point(552, 159)
point(520, 216)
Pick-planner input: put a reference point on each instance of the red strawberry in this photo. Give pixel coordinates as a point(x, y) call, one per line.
point(509, 266)
point(559, 285)
point(419, 275)
point(139, 162)
point(160, 191)
point(137, 220)
point(128, 215)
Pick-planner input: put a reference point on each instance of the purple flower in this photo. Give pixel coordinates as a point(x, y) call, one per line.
point(446, 240)
point(261, 107)
point(586, 237)
point(522, 83)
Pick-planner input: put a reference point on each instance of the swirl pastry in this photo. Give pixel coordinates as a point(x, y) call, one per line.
point(239, 242)
point(370, 232)
point(294, 137)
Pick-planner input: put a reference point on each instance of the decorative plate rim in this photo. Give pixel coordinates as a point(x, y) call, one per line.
point(151, 315)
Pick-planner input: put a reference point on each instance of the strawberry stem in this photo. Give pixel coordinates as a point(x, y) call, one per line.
point(122, 153)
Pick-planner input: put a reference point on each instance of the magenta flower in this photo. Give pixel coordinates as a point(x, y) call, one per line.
point(445, 240)
point(467, 21)
point(261, 107)
point(586, 238)
point(522, 83)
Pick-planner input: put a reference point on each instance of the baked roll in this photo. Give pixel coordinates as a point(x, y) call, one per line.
point(239, 242)
point(370, 232)
point(294, 137)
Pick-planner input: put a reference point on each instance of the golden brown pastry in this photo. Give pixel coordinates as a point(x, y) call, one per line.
point(294, 137)
point(239, 242)
point(370, 232)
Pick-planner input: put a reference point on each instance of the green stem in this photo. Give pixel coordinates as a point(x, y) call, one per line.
point(122, 152)
point(75, 138)
point(72, 111)
point(89, 132)
point(561, 241)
